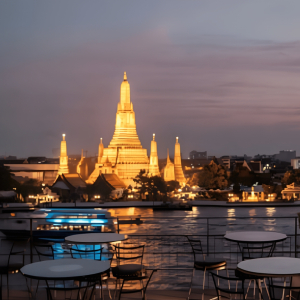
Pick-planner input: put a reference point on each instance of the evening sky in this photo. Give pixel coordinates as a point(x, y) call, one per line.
point(224, 76)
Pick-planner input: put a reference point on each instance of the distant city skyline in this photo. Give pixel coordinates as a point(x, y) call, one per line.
point(223, 76)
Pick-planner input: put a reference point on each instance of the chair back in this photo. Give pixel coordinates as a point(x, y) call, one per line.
point(226, 286)
point(85, 291)
point(12, 253)
point(141, 286)
point(129, 253)
point(257, 251)
point(196, 247)
point(44, 250)
point(277, 291)
point(93, 253)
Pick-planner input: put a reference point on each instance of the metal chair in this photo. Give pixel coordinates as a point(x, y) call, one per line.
point(278, 292)
point(203, 262)
point(44, 250)
point(85, 291)
point(228, 286)
point(124, 254)
point(127, 253)
point(253, 251)
point(12, 258)
point(94, 253)
point(143, 279)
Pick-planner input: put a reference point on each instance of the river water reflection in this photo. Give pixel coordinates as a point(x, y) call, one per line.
point(222, 219)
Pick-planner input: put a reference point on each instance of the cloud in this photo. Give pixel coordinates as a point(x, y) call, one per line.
point(199, 90)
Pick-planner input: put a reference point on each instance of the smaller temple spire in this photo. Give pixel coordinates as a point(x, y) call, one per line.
point(168, 157)
point(153, 167)
point(100, 151)
point(125, 77)
point(176, 139)
point(63, 158)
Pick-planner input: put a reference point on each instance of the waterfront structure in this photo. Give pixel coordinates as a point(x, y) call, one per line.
point(291, 192)
point(286, 155)
point(256, 194)
point(63, 158)
point(66, 184)
point(295, 163)
point(198, 155)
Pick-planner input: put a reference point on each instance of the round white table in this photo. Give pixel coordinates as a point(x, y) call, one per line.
point(255, 237)
point(271, 266)
point(95, 238)
point(65, 269)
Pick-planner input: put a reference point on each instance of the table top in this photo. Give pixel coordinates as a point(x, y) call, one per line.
point(271, 266)
point(65, 269)
point(255, 236)
point(95, 238)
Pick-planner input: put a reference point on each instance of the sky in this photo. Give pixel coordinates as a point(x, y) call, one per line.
point(223, 76)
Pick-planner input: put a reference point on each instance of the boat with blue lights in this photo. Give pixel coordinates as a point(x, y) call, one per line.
point(55, 222)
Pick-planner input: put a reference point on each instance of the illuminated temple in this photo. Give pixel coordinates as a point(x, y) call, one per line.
point(125, 156)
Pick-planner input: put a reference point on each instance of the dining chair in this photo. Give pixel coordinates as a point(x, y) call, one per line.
point(253, 251)
point(44, 250)
point(144, 280)
point(203, 262)
point(227, 287)
point(12, 258)
point(128, 260)
point(278, 292)
point(94, 253)
point(84, 291)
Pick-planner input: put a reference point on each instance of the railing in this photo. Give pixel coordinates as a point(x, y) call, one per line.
point(168, 250)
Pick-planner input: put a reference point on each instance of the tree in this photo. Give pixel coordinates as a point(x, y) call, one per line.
point(213, 176)
point(141, 181)
point(6, 181)
point(156, 185)
point(290, 177)
point(153, 185)
point(172, 185)
point(30, 187)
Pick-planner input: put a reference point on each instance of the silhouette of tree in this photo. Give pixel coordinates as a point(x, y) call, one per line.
point(213, 176)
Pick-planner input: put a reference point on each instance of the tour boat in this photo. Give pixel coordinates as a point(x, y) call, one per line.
point(54, 222)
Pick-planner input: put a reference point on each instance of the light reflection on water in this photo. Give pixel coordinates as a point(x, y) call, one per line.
point(270, 211)
point(194, 222)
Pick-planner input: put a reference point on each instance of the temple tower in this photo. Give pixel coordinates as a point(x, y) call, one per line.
point(125, 134)
point(169, 172)
point(63, 158)
point(125, 153)
point(153, 167)
point(179, 176)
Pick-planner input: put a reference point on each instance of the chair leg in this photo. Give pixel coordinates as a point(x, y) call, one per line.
point(191, 285)
point(7, 286)
point(203, 283)
point(266, 287)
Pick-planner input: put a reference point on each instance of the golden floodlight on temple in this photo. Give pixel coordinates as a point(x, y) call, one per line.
point(125, 156)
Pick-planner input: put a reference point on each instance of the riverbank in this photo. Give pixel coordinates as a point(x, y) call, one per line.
point(196, 203)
